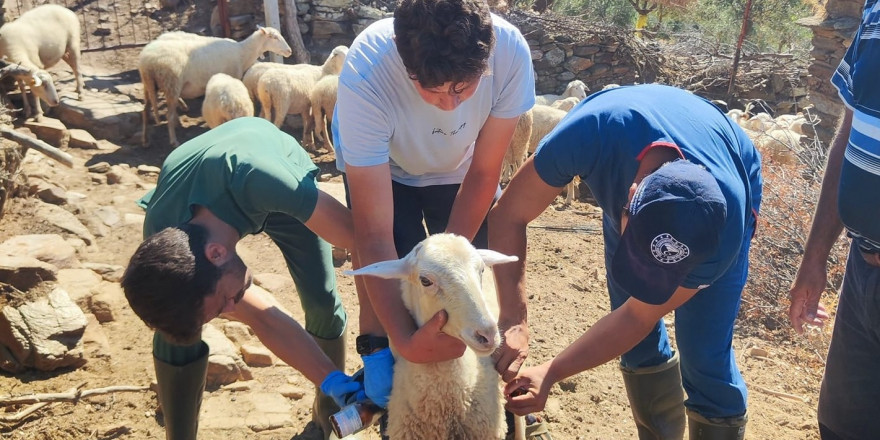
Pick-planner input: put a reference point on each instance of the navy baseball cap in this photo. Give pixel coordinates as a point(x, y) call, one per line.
point(676, 217)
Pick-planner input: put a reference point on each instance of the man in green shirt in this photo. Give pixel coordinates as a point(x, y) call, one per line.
point(243, 177)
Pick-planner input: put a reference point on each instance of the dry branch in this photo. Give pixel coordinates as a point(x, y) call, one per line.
point(70, 396)
point(38, 145)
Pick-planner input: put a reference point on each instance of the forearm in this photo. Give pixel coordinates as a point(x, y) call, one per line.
point(281, 334)
point(509, 237)
point(610, 337)
point(827, 225)
point(384, 313)
point(472, 203)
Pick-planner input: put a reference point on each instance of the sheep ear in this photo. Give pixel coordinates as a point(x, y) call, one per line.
point(491, 258)
point(391, 269)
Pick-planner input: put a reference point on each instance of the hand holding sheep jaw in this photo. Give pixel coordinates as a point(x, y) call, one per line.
point(444, 272)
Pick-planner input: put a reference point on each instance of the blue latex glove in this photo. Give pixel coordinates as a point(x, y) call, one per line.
point(342, 388)
point(378, 370)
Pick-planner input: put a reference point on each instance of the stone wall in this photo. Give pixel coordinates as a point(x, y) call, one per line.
point(565, 48)
point(832, 35)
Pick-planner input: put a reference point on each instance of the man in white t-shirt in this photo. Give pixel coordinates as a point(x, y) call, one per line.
point(427, 106)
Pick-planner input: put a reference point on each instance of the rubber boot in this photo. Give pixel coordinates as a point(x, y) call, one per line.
point(728, 428)
point(657, 400)
point(180, 390)
point(324, 406)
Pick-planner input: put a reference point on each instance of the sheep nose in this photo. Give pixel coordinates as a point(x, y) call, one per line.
point(487, 337)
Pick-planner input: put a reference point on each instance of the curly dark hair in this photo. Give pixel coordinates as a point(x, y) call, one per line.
point(444, 41)
point(167, 280)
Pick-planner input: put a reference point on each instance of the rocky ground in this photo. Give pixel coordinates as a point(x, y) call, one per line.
point(267, 399)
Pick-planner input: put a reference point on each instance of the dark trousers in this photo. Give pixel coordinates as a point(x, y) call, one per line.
point(419, 211)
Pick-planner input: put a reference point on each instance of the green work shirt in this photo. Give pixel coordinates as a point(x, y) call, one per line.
point(242, 171)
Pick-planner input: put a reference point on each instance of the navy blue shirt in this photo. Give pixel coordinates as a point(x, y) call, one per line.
point(603, 138)
point(857, 81)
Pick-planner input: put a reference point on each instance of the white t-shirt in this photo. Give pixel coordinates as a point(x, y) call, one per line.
point(380, 116)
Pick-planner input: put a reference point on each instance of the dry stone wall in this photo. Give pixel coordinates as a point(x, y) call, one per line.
point(832, 35)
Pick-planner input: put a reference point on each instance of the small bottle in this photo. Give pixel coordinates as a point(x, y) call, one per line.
point(355, 417)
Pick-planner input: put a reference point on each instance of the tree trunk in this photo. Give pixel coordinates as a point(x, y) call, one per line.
point(300, 54)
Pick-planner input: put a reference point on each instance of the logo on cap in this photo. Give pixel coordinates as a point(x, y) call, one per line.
point(667, 250)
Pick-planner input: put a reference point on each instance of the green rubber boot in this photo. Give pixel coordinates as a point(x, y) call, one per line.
point(657, 400)
point(324, 406)
point(180, 391)
point(728, 428)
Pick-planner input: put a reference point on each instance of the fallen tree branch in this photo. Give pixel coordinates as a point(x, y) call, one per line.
point(69, 396)
point(19, 416)
point(38, 145)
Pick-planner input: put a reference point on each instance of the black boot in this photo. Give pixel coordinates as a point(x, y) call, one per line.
point(728, 428)
point(657, 400)
point(324, 406)
point(180, 391)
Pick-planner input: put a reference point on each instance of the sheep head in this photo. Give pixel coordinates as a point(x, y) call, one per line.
point(445, 272)
point(39, 81)
point(334, 62)
point(273, 41)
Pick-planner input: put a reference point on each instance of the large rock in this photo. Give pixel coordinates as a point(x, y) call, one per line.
point(23, 272)
point(45, 334)
point(48, 248)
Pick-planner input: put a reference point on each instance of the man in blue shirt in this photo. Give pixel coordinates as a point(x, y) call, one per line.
point(849, 198)
point(679, 185)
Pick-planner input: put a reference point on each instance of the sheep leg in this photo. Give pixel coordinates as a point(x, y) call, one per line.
point(144, 124)
point(171, 104)
point(308, 131)
point(25, 99)
point(280, 110)
point(71, 57)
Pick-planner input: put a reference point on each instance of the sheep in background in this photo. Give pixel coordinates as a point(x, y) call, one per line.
point(283, 91)
point(566, 104)
point(545, 120)
point(323, 99)
point(460, 398)
point(332, 66)
point(519, 145)
point(226, 98)
point(36, 41)
point(575, 88)
point(180, 67)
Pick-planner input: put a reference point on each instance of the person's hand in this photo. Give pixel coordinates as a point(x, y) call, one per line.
point(514, 349)
point(342, 388)
point(378, 372)
point(527, 393)
point(430, 344)
point(804, 296)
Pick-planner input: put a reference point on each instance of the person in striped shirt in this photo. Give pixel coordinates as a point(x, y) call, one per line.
point(850, 386)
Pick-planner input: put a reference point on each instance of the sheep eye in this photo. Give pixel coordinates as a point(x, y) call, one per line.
point(425, 281)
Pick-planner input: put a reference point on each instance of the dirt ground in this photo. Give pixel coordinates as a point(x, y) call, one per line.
point(566, 279)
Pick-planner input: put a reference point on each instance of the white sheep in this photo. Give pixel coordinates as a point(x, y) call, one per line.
point(180, 67)
point(566, 104)
point(36, 41)
point(575, 88)
point(226, 98)
point(545, 120)
point(323, 99)
point(517, 151)
point(287, 90)
point(461, 398)
point(332, 66)
point(283, 91)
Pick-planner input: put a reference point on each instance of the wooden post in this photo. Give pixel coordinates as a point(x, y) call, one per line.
point(291, 25)
point(273, 19)
point(223, 12)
